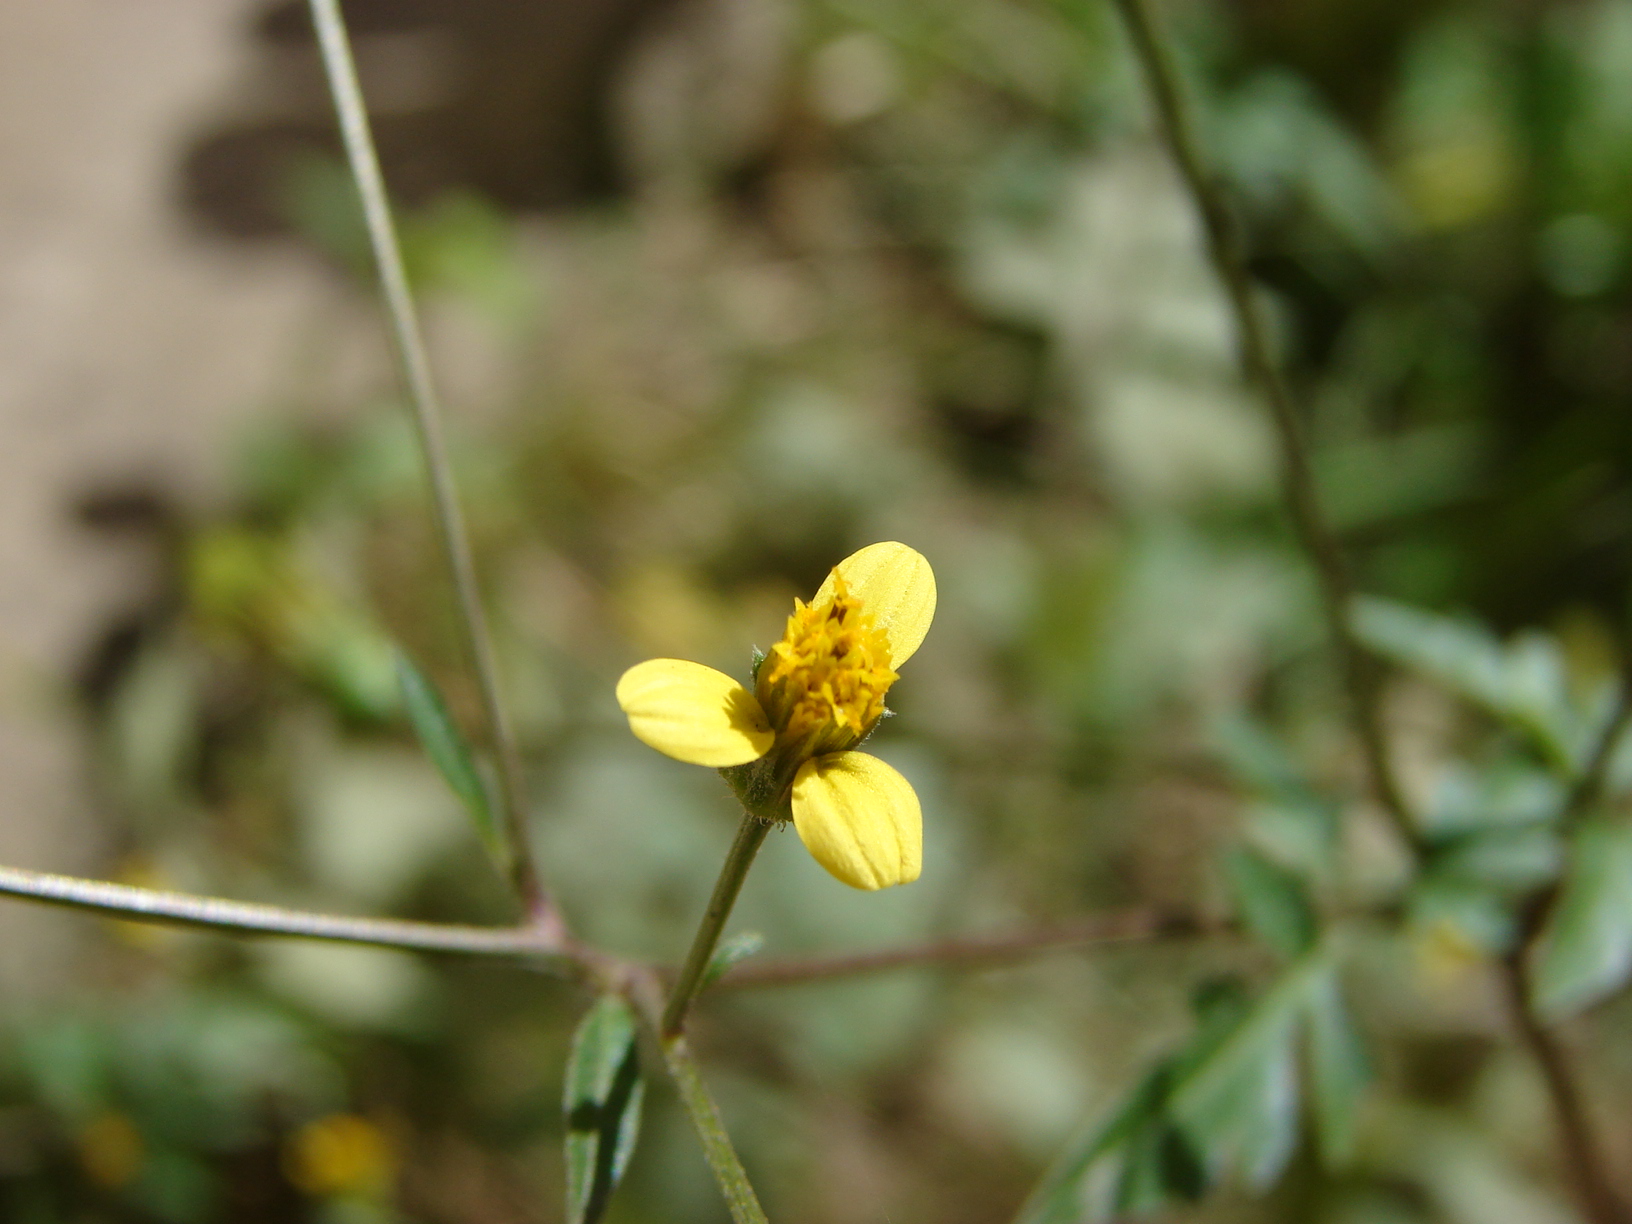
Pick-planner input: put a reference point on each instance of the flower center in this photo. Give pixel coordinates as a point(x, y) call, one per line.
point(825, 680)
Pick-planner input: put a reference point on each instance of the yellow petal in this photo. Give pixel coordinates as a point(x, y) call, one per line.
point(860, 819)
point(694, 713)
point(894, 584)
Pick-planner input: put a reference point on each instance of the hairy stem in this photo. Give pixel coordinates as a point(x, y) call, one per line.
point(1225, 250)
point(705, 1118)
point(416, 374)
point(750, 836)
point(130, 903)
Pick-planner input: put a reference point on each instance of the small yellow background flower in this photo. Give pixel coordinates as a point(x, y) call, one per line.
point(820, 691)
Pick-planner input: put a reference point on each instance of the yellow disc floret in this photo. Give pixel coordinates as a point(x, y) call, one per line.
point(823, 684)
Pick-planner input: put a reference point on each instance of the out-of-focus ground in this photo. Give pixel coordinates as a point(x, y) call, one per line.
point(132, 350)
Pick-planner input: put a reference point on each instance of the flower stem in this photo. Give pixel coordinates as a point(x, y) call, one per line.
point(750, 834)
point(416, 374)
point(705, 1117)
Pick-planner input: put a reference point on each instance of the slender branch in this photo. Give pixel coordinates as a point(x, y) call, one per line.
point(129, 903)
point(1225, 248)
point(416, 373)
point(244, 918)
point(1583, 1157)
point(750, 836)
point(969, 951)
point(1226, 251)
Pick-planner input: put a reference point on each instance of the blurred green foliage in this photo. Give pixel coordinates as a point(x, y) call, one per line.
point(919, 271)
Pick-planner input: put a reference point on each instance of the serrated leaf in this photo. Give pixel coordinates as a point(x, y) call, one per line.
point(1586, 951)
point(1272, 901)
point(1523, 683)
point(1339, 1071)
point(445, 745)
point(601, 1100)
point(737, 948)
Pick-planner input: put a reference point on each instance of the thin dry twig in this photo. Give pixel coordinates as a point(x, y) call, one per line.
point(1226, 251)
point(973, 951)
point(427, 411)
point(1584, 1161)
point(1583, 1154)
point(133, 904)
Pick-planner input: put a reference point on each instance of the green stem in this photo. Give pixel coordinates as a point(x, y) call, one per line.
point(1225, 249)
point(750, 835)
point(416, 374)
point(705, 1117)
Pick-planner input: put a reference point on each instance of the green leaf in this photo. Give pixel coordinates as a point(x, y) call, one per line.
point(347, 655)
point(1239, 1105)
point(1522, 683)
point(1160, 1164)
point(448, 751)
point(1058, 1199)
point(1468, 912)
point(1228, 1098)
point(1288, 816)
point(1339, 1071)
point(737, 948)
point(1509, 794)
point(1258, 758)
point(601, 1100)
point(1510, 861)
point(1586, 951)
point(1272, 902)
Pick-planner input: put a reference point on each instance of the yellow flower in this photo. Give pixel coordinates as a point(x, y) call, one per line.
point(340, 1155)
point(787, 747)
